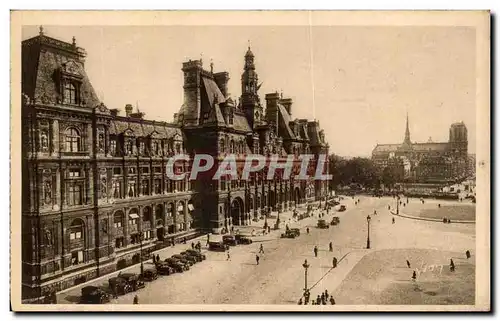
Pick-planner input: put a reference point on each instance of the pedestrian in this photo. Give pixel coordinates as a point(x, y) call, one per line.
point(322, 297)
point(257, 259)
point(445, 220)
point(452, 266)
point(316, 251)
point(414, 276)
point(332, 301)
point(326, 294)
point(393, 220)
point(136, 299)
point(318, 300)
point(269, 229)
point(404, 204)
point(286, 227)
point(228, 256)
point(408, 264)
point(439, 205)
point(389, 207)
point(184, 241)
point(307, 230)
point(154, 259)
point(261, 249)
point(300, 301)
point(375, 212)
point(334, 262)
point(331, 246)
point(192, 245)
point(467, 254)
point(198, 245)
point(208, 239)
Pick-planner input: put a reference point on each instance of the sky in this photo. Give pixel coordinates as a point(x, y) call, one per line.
point(360, 82)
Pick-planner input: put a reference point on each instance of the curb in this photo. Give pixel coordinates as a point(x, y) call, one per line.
point(429, 219)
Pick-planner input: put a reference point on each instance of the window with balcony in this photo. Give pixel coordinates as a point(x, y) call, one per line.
point(73, 140)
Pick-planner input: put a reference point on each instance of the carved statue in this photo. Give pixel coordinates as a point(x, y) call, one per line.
point(48, 192)
point(104, 188)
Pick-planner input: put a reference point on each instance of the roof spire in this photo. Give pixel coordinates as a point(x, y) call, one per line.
point(74, 41)
point(41, 30)
point(407, 132)
point(211, 66)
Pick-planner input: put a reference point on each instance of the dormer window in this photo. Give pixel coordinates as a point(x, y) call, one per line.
point(70, 93)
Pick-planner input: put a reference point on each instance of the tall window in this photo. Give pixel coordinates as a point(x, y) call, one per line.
point(70, 93)
point(117, 191)
point(112, 146)
point(157, 186)
point(72, 140)
point(118, 219)
point(142, 148)
point(156, 148)
point(75, 194)
point(145, 187)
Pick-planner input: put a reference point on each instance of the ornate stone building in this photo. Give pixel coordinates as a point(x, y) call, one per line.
point(427, 162)
point(95, 190)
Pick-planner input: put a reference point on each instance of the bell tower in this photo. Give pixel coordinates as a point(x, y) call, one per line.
point(250, 101)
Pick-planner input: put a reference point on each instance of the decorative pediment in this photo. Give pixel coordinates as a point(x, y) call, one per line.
point(71, 68)
point(102, 109)
point(177, 137)
point(155, 134)
point(129, 132)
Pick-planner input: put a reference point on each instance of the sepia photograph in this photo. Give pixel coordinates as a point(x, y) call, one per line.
point(250, 161)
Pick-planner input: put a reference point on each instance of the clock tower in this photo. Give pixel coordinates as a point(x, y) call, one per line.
point(250, 101)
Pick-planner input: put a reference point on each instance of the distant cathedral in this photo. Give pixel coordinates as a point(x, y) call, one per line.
point(429, 162)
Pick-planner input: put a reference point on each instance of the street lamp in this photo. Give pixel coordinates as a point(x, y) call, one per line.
point(368, 219)
point(305, 266)
point(397, 205)
point(141, 238)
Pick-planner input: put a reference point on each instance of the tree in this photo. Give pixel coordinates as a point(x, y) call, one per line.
point(357, 171)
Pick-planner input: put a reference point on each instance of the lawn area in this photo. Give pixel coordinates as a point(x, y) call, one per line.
point(382, 277)
point(458, 212)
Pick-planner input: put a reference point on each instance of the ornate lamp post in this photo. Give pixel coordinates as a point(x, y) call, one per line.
point(397, 205)
point(305, 266)
point(368, 219)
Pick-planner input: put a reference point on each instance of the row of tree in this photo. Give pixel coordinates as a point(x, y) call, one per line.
point(362, 171)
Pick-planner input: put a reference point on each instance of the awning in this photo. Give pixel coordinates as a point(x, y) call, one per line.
point(133, 215)
point(180, 208)
point(190, 207)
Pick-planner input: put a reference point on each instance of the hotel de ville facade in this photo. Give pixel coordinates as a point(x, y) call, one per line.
point(95, 191)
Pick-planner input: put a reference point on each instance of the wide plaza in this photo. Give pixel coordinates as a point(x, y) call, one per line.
point(378, 275)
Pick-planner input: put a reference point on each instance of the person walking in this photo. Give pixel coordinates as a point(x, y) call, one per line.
point(408, 264)
point(228, 256)
point(452, 266)
point(322, 298)
point(330, 246)
point(300, 301)
point(261, 249)
point(414, 276)
point(389, 207)
point(154, 259)
point(316, 251)
point(208, 238)
point(393, 220)
point(467, 254)
point(307, 230)
point(192, 245)
point(318, 300)
point(332, 301)
point(334, 262)
point(257, 259)
point(136, 299)
point(326, 294)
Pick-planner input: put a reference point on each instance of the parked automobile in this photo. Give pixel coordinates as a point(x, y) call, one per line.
point(185, 260)
point(191, 256)
point(322, 224)
point(296, 231)
point(133, 279)
point(229, 240)
point(120, 285)
point(288, 235)
point(196, 253)
point(93, 295)
point(335, 220)
point(177, 265)
point(150, 274)
point(342, 208)
point(218, 246)
point(164, 269)
point(241, 239)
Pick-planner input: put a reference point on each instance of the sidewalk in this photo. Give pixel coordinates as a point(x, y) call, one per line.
point(429, 219)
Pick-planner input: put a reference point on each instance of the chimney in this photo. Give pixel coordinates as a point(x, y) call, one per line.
point(192, 92)
point(287, 103)
point(128, 109)
point(272, 107)
point(221, 79)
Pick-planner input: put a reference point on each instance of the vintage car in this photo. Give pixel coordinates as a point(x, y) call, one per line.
point(182, 259)
point(133, 279)
point(93, 295)
point(229, 240)
point(196, 253)
point(335, 220)
point(322, 224)
point(342, 208)
point(241, 239)
point(296, 231)
point(288, 235)
point(119, 285)
point(188, 258)
point(218, 246)
point(150, 274)
point(177, 265)
point(164, 269)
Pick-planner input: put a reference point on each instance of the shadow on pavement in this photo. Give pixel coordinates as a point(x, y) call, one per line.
point(72, 298)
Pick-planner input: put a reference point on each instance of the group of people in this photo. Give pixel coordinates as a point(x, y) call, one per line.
point(322, 299)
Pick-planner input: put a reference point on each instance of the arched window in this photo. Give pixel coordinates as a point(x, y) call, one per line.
point(72, 140)
point(69, 93)
point(146, 214)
